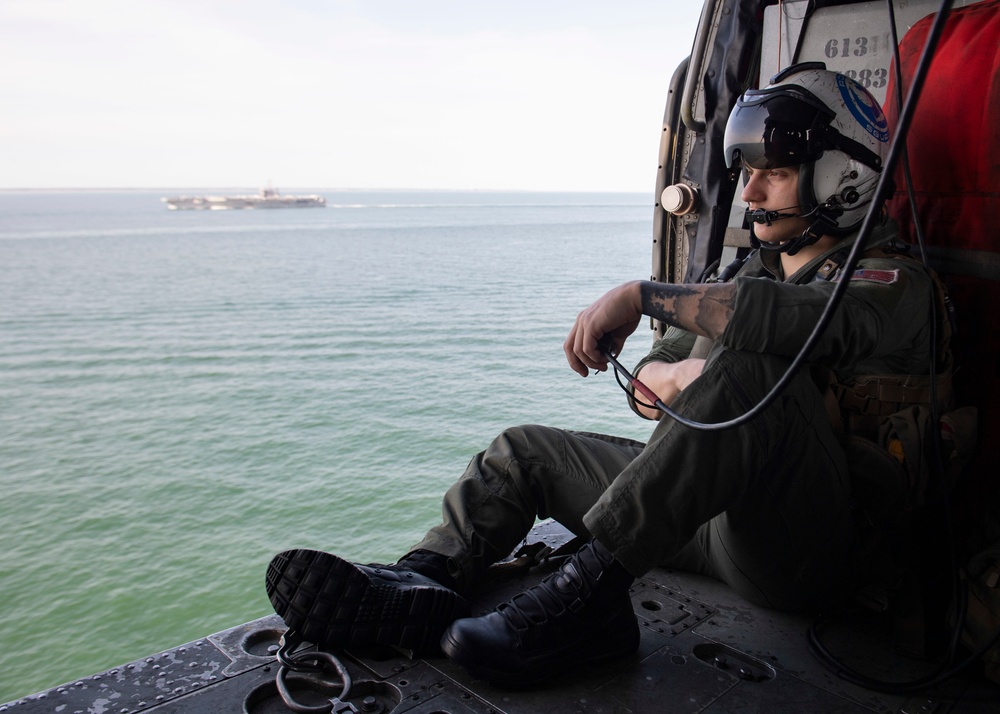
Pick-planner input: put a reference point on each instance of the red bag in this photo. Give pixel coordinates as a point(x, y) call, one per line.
point(953, 147)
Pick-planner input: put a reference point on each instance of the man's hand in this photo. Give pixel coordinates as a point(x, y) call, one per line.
point(703, 309)
point(667, 380)
point(610, 320)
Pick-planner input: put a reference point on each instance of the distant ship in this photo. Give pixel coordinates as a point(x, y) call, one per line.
point(267, 198)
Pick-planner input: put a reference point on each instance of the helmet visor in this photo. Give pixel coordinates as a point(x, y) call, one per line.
point(770, 130)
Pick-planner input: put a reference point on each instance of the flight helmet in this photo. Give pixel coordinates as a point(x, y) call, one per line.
point(829, 126)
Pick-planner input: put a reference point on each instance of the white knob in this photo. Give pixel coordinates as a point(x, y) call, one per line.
point(679, 199)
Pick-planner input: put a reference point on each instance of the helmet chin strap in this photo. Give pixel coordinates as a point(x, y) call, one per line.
point(824, 221)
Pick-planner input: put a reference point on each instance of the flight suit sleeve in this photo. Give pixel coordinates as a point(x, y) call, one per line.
point(881, 325)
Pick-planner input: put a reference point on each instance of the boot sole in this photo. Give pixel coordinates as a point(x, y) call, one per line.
point(338, 604)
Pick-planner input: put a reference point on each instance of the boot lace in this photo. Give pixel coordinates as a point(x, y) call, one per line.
point(568, 589)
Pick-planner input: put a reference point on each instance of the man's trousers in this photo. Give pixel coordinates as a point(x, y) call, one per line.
point(764, 506)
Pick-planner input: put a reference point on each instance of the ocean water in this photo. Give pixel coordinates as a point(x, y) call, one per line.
point(182, 394)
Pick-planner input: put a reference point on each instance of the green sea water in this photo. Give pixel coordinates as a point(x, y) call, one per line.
point(182, 394)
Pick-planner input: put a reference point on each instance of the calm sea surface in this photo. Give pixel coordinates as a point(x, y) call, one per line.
point(182, 394)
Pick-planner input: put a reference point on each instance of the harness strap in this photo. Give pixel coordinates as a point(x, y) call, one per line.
point(885, 394)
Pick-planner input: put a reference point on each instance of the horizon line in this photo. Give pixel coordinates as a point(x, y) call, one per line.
point(314, 188)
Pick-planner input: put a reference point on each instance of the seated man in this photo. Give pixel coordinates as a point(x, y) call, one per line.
point(764, 506)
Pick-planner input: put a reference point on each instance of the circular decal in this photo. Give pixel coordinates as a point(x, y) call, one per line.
point(864, 108)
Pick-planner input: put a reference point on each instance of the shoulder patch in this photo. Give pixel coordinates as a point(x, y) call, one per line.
point(871, 275)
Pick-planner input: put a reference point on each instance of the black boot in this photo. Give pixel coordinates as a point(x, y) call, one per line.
point(336, 604)
point(582, 613)
point(430, 564)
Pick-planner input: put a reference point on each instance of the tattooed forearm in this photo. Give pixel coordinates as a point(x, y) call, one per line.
point(704, 309)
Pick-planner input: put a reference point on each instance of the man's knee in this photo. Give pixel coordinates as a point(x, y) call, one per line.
point(752, 369)
point(522, 443)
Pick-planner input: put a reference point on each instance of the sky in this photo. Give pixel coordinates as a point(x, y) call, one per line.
point(541, 95)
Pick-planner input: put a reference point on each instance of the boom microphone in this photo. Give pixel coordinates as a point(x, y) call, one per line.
point(766, 218)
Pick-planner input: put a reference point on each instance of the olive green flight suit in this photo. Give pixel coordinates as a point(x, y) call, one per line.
point(764, 506)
